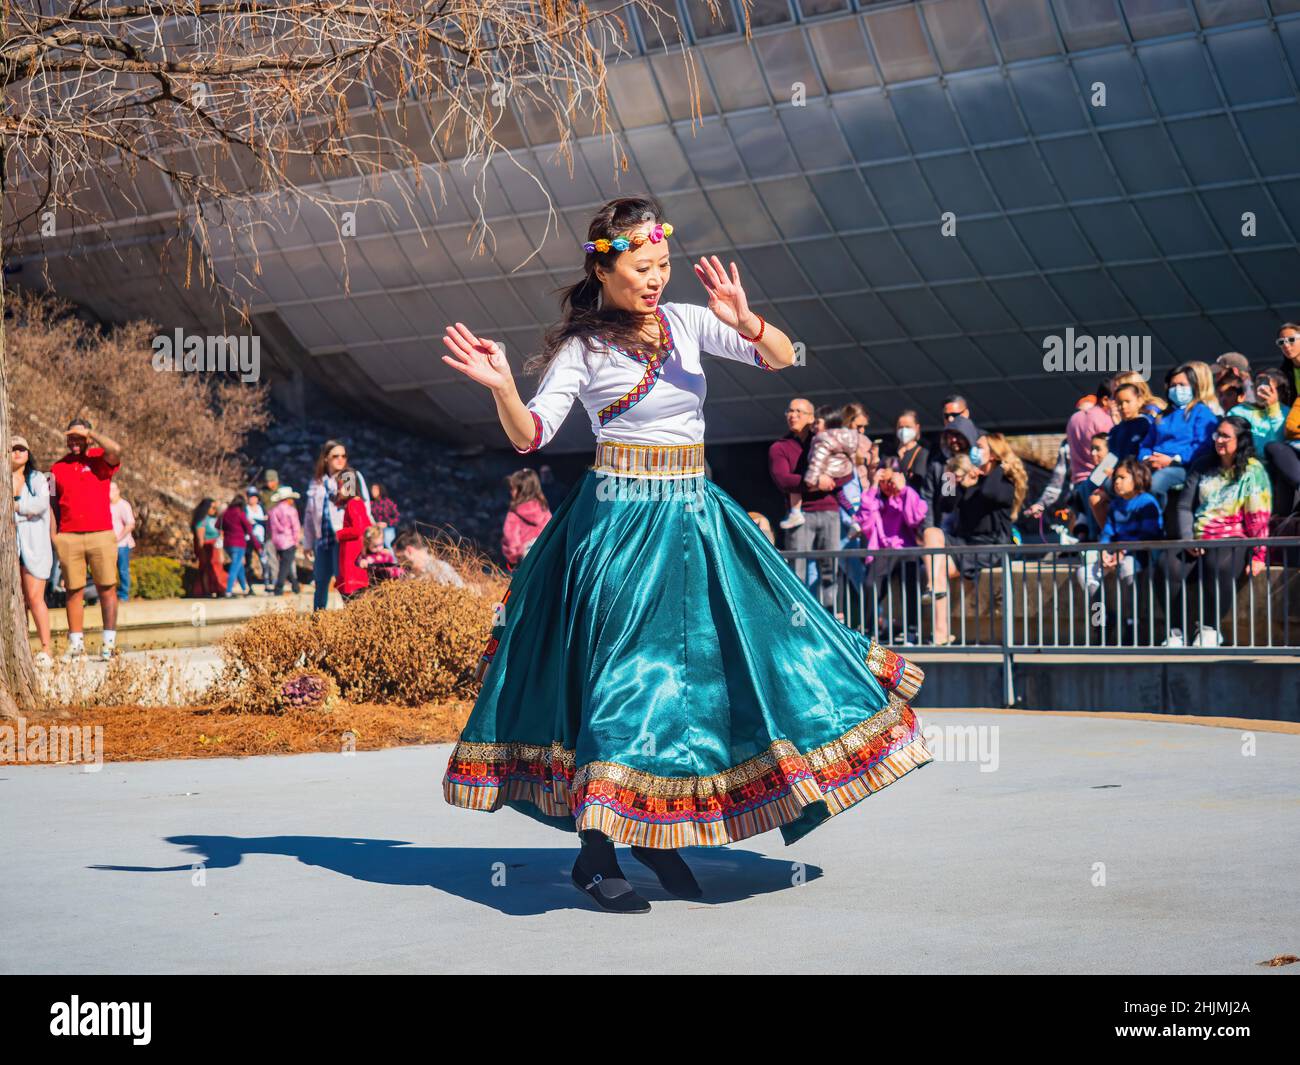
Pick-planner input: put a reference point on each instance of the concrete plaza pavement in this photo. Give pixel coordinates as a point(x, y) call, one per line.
point(353, 863)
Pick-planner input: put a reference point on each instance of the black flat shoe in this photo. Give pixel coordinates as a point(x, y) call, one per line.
point(611, 893)
point(670, 867)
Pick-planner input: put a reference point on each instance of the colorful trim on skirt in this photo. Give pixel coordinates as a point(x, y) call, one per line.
point(781, 788)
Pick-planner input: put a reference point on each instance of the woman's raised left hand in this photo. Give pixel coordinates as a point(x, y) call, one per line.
point(727, 299)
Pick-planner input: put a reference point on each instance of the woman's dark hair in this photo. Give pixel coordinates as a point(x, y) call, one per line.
point(890, 463)
point(29, 467)
point(200, 512)
point(582, 317)
point(238, 500)
point(833, 418)
point(1286, 367)
point(1285, 393)
point(1136, 469)
point(527, 485)
point(377, 490)
point(326, 448)
point(1245, 444)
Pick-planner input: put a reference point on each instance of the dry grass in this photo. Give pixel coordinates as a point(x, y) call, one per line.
point(140, 680)
point(138, 733)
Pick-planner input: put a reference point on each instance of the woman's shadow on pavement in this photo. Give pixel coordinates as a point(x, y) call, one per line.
point(517, 881)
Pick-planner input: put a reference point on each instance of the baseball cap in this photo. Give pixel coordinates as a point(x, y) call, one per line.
point(1232, 360)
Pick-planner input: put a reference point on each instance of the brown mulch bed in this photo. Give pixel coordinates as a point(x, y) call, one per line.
point(137, 734)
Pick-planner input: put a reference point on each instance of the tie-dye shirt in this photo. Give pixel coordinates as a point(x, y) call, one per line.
point(1228, 508)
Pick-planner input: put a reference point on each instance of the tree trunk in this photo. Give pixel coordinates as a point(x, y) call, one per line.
point(17, 669)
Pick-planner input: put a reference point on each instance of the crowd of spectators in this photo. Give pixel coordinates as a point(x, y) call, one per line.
point(1215, 457)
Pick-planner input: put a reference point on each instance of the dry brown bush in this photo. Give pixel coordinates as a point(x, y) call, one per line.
point(181, 433)
point(406, 642)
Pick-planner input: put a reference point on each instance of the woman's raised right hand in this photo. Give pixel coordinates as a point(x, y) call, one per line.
point(478, 358)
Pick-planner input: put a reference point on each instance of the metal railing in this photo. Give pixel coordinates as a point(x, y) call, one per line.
point(1016, 599)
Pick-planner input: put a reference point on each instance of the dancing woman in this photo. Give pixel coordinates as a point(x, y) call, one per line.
point(658, 675)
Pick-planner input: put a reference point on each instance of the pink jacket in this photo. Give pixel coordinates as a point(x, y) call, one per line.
point(890, 521)
point(284, 526)
point(1079, 431)
point(524, 524)
point(832, 454)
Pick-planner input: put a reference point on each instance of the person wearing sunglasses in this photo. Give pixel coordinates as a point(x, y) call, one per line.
point(35, 554)
point(1283, 456)
point(955, 406)
point(323, 518)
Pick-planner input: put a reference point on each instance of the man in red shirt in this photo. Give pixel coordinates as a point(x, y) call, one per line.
point(83, 529)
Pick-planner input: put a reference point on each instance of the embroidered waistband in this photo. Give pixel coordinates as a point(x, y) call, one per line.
point(649, 460)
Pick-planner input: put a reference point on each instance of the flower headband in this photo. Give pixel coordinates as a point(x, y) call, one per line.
point(660, 232)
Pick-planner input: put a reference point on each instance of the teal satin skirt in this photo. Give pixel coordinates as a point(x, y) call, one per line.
point(659, 672)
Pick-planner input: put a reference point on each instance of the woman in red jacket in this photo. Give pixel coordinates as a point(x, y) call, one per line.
point(351, 579)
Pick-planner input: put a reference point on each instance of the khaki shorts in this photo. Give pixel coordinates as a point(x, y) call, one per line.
point(96, 551)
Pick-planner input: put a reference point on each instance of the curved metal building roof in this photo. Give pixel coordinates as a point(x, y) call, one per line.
point(1122, 167)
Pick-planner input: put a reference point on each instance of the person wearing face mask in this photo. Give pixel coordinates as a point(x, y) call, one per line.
point(939, 492)
point(912, 455)
point(958, 437)
point(1185, 434)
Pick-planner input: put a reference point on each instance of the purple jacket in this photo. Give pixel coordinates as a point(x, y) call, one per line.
point(890, 521)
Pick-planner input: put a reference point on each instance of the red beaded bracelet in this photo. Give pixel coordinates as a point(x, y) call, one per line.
point(762, 325)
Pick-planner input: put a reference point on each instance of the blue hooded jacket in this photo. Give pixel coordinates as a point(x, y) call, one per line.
point(1184, 435)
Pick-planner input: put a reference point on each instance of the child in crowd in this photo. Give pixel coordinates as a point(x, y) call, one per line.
point(1099, 478)
point(257, 545)
point(351, 579)
point(833, 453)
point(1134, 516)
point(526, 518)
point(1125, 439)
point(376, 559)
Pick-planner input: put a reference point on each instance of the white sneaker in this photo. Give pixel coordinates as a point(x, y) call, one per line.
point(75, 653)
point(1175, 639)
point(1089, 583)
point(43, 661)
point(106, 653)
point(792, 520)
point(1206, 637)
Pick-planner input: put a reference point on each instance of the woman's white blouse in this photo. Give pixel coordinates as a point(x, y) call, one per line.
point(625, 399)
